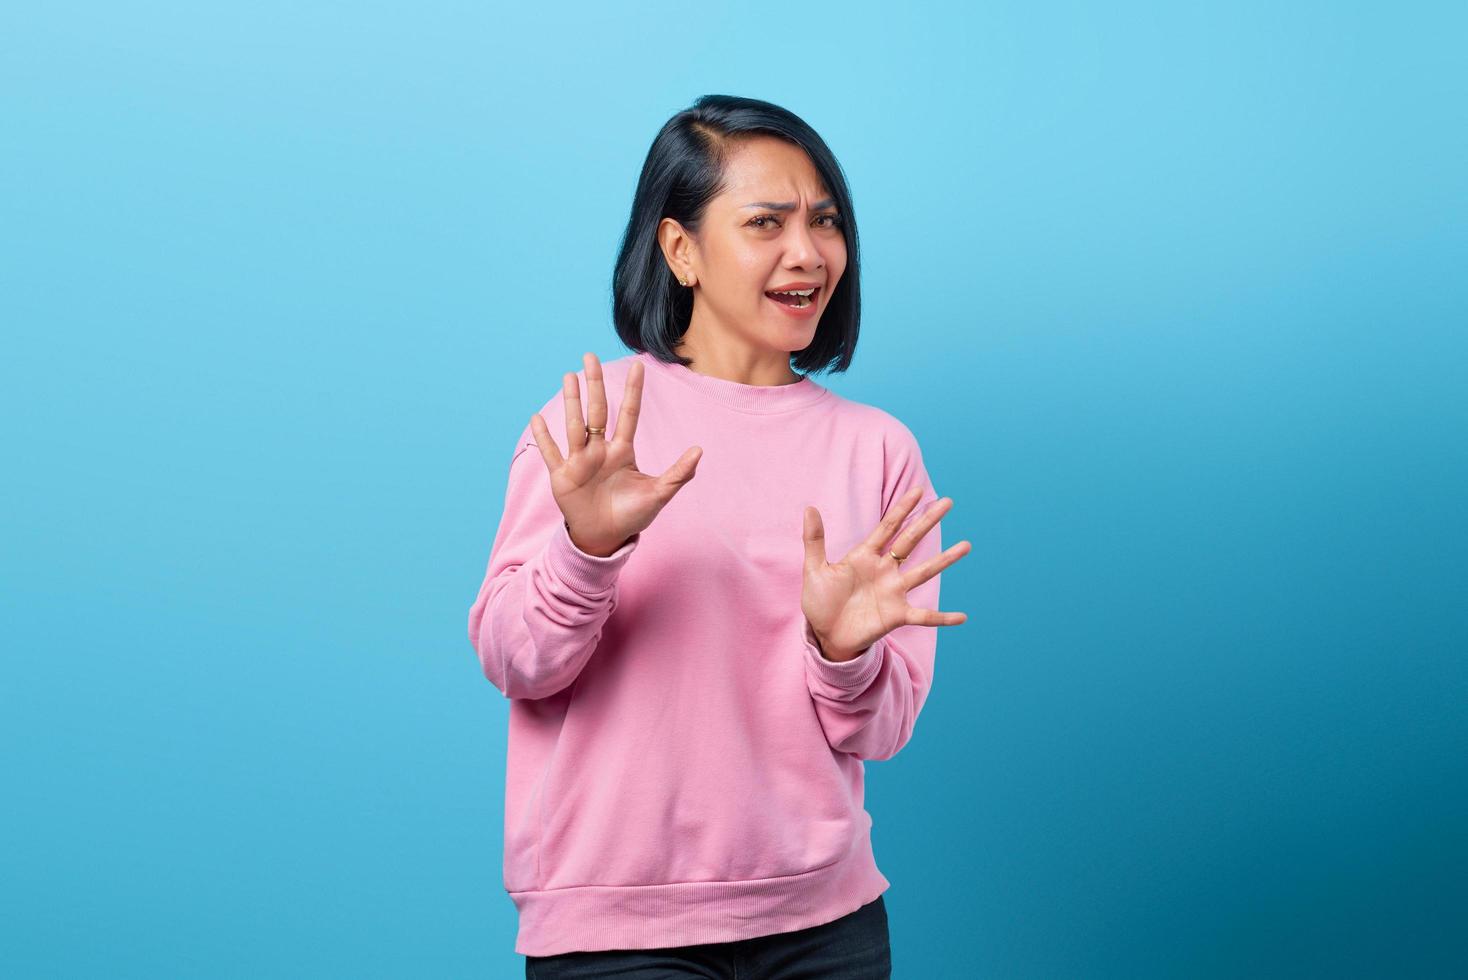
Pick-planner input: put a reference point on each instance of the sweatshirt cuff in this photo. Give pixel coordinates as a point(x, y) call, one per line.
point(845, 679)
point(587, 574)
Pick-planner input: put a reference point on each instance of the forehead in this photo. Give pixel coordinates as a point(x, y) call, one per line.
point(769, 169)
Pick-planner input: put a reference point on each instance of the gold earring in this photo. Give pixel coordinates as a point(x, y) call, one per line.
point(682, 281)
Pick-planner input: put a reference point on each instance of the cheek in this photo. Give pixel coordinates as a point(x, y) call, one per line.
point(835, 258)
point(753, 269)
point(731, 273)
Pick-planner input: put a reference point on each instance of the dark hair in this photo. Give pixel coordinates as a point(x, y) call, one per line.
point(684, 169)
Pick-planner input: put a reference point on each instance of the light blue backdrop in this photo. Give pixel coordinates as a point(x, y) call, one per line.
point(1172, 295)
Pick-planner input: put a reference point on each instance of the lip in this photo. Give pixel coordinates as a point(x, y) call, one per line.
point(809, 311)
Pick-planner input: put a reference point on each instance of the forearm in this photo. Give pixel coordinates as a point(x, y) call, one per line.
point(534, 626)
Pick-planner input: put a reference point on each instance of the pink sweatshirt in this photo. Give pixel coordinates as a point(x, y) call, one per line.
point(684, 766)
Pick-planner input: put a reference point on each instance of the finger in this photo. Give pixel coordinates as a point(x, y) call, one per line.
point(918, 574)
point(575, 424)
point(892, 520)
point(932, 617)
point(672, 479)
point(919, 528)
point(596, 394)
point(549, 451)
point(813, 531)
point(631, 405)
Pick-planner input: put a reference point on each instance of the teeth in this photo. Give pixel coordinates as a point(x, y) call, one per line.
point(801, 302)
point(793, 292)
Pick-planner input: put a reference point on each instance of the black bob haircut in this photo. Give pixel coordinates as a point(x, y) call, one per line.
point(684, 169)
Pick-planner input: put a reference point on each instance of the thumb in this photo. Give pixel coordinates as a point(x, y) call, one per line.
point(814, 533)
point(677, 475)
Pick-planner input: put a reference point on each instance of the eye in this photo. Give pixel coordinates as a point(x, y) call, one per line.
point(834, 222)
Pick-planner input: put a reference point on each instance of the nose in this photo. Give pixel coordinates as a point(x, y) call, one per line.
point(801, 251)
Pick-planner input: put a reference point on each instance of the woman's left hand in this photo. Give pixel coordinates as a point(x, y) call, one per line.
point(858, 600)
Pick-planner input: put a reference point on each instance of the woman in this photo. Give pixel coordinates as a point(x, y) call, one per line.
point(694, 682)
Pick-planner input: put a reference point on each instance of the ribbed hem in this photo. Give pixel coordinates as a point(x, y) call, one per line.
point(845, 680)
point(753, 399)
point(602, 917)
point(587, 574)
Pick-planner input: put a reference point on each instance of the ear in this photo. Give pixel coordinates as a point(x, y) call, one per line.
point(677, 246)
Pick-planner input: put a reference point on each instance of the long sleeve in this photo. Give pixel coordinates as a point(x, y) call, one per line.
point(868, 705)
point(543, 603)
point(696, 778)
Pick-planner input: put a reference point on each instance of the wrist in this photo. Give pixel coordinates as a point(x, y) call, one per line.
point(831, 653)
point(595, 550)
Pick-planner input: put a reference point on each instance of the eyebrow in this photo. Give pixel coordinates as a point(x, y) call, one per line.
point(790, 205)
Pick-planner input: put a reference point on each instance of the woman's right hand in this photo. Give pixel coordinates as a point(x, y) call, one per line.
point(603, 497)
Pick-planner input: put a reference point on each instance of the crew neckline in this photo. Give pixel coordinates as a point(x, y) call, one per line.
point(754, 399)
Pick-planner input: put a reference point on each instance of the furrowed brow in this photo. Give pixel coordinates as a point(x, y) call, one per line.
point(790, 205)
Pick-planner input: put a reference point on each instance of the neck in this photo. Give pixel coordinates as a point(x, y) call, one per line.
point(732, 361)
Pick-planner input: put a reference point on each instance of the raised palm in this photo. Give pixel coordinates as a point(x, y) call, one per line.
point(603, 497)
point(852, 603)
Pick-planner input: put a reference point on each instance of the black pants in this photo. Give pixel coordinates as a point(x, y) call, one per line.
point(853, 947)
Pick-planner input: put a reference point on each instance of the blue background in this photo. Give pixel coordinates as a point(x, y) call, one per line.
point(1173, 296)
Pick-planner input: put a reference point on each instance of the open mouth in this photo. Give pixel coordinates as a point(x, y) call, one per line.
point(796, 301)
